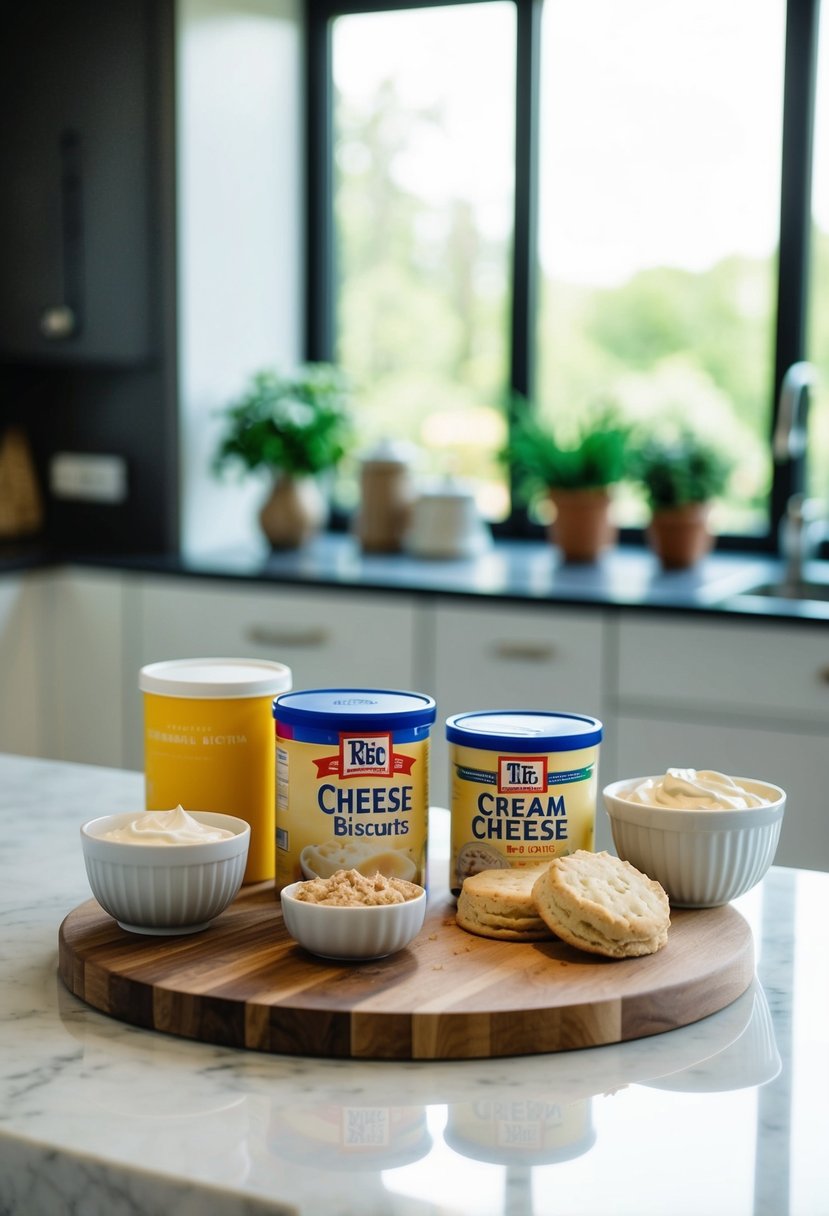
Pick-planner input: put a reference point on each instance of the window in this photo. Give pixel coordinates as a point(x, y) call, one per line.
point(423, 178)
point(591, 202)
point(660, 211)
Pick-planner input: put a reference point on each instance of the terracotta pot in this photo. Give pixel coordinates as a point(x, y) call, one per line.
point(294, 512)
point(582, 527)
point(679, 536)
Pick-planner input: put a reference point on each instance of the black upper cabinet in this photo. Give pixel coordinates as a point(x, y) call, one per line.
point(76, 198)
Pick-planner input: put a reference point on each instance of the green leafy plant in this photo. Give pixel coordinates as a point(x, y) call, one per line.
point(594, 458)
point(680, 468)
point(298, 424)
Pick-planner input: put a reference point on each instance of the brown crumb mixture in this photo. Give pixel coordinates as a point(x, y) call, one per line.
point(351, 888)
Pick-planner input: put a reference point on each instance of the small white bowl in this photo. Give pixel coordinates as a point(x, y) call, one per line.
point(165, 889)
point(352, 933)
point(701, 858)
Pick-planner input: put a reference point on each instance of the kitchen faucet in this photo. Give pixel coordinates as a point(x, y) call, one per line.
point(801, 529)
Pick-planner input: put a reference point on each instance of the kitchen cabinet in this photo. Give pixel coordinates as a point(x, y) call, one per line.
point(734, 666)
point(77, 159)
point(327, 638)
point(747, 698)
point(21, 629)
point(85, 660)
point(509, 657)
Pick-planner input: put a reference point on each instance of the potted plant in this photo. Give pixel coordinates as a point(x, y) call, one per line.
point(577, 475)
point(680, 473)
point(296, 427)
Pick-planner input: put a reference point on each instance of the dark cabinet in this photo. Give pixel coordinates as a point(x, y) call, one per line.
point(77, 166)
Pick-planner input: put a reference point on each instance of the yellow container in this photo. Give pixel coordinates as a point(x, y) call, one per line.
point(208, 743)
point(524, 786)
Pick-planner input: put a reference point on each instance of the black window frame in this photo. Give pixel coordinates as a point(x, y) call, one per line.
point(800, 79)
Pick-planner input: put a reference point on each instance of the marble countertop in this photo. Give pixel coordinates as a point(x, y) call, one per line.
point(722, 1117)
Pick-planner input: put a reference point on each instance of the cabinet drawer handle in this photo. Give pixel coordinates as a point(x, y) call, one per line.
point(262, 635)
point(63, 320)
point(823, 675)
point(524, 652)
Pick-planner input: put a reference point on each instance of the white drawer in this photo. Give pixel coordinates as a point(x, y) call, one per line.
point(87, 720)
point(511, 658)
point(21, 609)
point(517, 658)
point(747, 669)
point(330, 638)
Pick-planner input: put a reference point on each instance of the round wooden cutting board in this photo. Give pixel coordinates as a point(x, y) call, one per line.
point(245, 983)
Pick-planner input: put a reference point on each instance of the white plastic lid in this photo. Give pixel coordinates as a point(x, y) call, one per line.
point(211, 678)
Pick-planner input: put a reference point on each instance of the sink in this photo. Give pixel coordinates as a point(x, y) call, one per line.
point(807, 590)
point(784, 590)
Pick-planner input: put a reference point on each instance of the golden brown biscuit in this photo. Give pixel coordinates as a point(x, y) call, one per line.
point(603, 905)
point(499, 904)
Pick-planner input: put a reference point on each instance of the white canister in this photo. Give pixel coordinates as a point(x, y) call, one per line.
point(446, 523)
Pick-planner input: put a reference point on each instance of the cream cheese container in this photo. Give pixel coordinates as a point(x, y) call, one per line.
point(208, 743)
point(523, 1132)
point(523, 788)
point(352, 783)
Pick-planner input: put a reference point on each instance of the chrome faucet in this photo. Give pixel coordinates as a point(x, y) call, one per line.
point(801, 529)
point(790, 434)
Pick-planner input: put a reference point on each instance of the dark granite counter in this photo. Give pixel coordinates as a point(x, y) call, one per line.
point(627, 577)
point(17, 556)
point(519, 571)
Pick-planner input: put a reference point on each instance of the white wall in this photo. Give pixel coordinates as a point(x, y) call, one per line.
point(240, 234)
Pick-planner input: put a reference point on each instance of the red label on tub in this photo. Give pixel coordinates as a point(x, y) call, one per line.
point(522, 774)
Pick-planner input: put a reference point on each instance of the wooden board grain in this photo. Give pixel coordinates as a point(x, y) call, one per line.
point(245, 983)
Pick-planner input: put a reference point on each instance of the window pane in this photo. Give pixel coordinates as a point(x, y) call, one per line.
point(817, 466)
point(660, 181)
point(423, 203)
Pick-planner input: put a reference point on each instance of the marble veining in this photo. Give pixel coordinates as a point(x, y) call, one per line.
point(100, 1117)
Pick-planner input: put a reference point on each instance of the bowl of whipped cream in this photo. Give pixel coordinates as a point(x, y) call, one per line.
point(165, 872)
point(705, 836)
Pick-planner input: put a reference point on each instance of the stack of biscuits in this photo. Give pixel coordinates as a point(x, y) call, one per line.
point(592, 901)
point(499, 904)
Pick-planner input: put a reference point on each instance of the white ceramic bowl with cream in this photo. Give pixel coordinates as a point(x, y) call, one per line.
point(703, 856)
point(352, 933)
point(166, 887)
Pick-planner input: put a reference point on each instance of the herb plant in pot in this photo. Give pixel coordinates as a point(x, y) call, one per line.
point(577, 475)
point(680, 473)
point(296, 427)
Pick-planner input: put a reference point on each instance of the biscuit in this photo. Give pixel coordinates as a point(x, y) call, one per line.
point(499, 904)
point(603, 905)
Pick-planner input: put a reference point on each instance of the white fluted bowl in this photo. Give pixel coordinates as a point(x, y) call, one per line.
point(701, 858)
point(352, 933)
point(165, 889)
